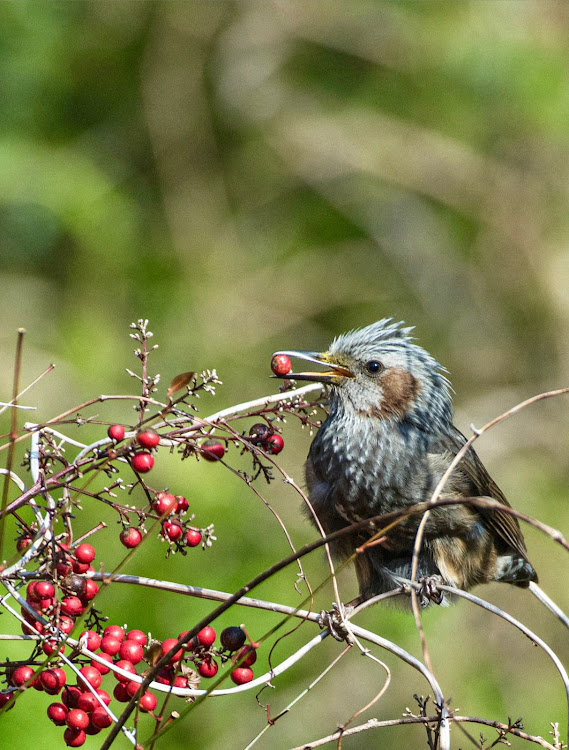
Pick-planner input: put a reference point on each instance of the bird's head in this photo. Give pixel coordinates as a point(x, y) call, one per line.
point(379, 371)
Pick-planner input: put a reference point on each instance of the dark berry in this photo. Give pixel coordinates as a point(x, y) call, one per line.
point(148, 439)
point(193, 537)
point(241, 675)
point(212, 450)
point(142, 462)
point(131, 537)
point(232, 638)
point(280, 364)
point(116, 432)
point(260, 432)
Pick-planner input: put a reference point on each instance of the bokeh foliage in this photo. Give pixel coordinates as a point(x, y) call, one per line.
point(259, 175)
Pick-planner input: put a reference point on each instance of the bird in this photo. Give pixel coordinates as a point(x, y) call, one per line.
point(387, 440)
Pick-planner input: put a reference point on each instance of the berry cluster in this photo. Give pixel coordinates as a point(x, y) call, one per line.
point(264, 435)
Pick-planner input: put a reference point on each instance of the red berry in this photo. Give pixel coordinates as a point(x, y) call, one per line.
point(66, 624)
point(116, 432)
point(148, 702)
point(116, 631)
point(111, 645)
point(91, 589)
point(85, 553)
point(148, 439)
point(91, 675)
point(23, 543)
point(247, 656)
point(193, 537)
point(180, 681)
point(206, 636)
point(208, 668)
point(280, 364)
point(212, 450)
point(132, 651)
point(57, 712)
point(52, 680)
point(172, 530)
point(31, 595)
point(102, 668)
point(241, 675)
point(232, 638)
point(70, 696)
point(132, 687)
point(131, 537)
point(127, 666)
point(100, 718)
point(93, 640)
point(164, 502)
point(182, 505)
point(74, 737)
point(77, 719)
point(87, 702)
point(72, 606)
point(167, 645)
point(120, 694)
point(80, 567)
point(142, 462)
point(44, 590)
point(48, 647)
point(21, 675)
point(104, 696)
point(138, 636)
point(275, 444)
point(165, 676)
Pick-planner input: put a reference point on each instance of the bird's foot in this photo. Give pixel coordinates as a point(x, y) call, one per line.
point(335, 621)
point(429, 591)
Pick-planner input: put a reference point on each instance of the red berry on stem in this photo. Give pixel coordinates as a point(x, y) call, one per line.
point(280, 364)
point(116, 432)
point(148, 439)
point(44, 590)
point(77, 719)
point(101, 667)
point(111, 645)
point(120, 694)
point(21, 675)
point(242, 675)
point(92, 638)
point(206, 636)
point(66, 624)
point(132, 651)
point(212, 450)
point(91, 675)
point(148, 702)
point(142, 462)
point(116, 631)
point(127, 666)
point(131, 537)
point(193, 537)
point(132, 687)
point(74, 737)
point(23, 543)
point(52, 680)
point(208, 668)
point(182, 504)
point(104, 696)
point(164, 502)
point(70, 696)
point(247, 656)
point(87, 702)
point(172, 530)
point(85, 553)
point(138, 636)
point(167, 645)
point(275, 444)
point(57, 712)
point(100, 718)
point(91, 589)
point(72, 606)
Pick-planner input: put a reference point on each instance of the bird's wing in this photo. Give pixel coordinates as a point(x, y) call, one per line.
point(503, 524)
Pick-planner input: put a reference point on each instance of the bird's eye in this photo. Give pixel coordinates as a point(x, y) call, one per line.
point(374, 367)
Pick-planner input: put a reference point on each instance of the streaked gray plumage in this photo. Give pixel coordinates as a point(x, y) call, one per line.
point(387, 441)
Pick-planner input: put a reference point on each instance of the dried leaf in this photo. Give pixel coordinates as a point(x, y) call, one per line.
point(180, 381)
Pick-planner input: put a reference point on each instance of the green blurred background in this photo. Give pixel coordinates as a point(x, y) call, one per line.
point(260, 175)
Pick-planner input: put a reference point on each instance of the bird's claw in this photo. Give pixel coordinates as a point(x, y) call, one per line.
point(335, 621)
point(429, 591)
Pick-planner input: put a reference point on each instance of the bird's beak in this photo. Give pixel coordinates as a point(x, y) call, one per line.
point(334, 374)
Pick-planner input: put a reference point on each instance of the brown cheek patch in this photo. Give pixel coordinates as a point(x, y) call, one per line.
point(400, 389)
